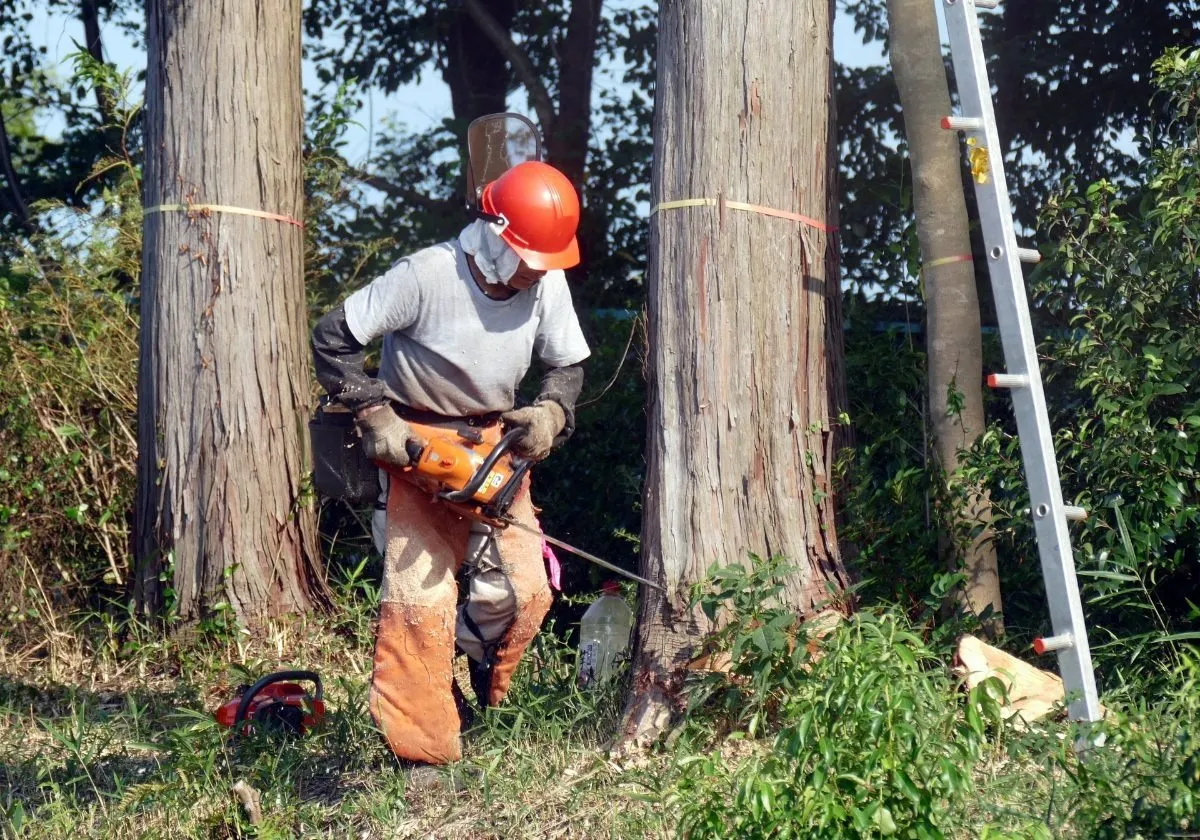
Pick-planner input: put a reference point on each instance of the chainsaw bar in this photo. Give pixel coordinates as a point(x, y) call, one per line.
point(591, 558)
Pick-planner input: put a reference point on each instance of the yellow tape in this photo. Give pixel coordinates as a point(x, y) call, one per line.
point(948, 260)
point(741, 205)
point(223, 208)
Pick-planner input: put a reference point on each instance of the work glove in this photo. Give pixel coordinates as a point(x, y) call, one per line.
point(384, 435)
point(542, 424)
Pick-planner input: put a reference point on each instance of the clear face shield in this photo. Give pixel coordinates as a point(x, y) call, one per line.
point(495, 144)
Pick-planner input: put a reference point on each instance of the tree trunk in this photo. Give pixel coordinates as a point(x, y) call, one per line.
point(953, 343)
point(89, 15)
point(16, 201)
point(476, 71)
point(224, 512)
point(745, 346)
point(568, 139)
point(567, 142)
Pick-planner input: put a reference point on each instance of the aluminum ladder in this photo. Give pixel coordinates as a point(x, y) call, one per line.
point(1022, 377)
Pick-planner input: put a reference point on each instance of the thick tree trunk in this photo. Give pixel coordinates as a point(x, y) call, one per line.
point(953, 343)
point(476, 70)
point(742, 350)
point(223, 511)
point(567, 142)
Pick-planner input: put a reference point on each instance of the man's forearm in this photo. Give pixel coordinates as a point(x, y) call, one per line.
point(338, 359)
point(563, 385)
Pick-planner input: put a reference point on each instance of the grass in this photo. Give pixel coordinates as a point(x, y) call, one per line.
point(121, 743)
point(106, 731)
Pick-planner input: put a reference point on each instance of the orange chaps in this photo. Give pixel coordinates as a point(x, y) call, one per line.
point(412, 698)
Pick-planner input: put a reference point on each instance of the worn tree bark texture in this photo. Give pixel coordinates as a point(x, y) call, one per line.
point(745, 352)
point(953, 343)
point(224, 381)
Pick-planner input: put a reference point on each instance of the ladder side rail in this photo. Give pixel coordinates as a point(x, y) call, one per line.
point(1020, 355)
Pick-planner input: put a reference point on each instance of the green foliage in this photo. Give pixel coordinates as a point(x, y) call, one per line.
point(766, 646)
point(886, 482)
point(68, 340)
point(1136, 779)
point(866, 739)
point(591, 488)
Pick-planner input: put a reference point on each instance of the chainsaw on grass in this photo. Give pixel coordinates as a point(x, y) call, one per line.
point(479, 480)
point(276, 703)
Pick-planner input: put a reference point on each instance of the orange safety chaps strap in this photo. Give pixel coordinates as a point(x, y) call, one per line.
point(523, 564)
point(411, 697)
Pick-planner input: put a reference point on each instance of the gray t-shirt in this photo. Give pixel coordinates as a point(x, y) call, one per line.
point(448, 347)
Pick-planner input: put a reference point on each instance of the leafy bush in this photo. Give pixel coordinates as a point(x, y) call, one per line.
point(68, 342)
point(888, 515)
point(1143, 782)
point(867, 738)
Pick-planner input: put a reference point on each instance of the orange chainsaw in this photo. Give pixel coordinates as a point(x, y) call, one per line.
point(479, 480)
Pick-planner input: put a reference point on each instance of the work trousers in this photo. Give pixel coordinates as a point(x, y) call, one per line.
point(426, 542)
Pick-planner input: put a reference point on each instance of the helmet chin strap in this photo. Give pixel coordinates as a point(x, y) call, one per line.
point(490, 218)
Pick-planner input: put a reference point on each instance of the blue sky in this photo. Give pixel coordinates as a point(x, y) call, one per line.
point(417, 106)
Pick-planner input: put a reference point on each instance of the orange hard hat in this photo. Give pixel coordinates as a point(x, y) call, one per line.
point(541, 214)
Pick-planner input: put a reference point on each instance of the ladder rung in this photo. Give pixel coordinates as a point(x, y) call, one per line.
point(962, 123)
point(1046, 644)
point(1029, 255)
point(1007, 380)
point(1075, 513)
point(986, 4)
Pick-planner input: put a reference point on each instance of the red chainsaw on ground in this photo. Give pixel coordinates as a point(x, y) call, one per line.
point(276, 703)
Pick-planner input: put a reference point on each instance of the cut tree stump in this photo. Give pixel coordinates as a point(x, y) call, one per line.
point(1032, 692)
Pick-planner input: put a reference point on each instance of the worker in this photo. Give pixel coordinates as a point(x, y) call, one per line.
point(460, 322)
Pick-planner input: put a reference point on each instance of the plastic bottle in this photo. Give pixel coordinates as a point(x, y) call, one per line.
point(603, 635)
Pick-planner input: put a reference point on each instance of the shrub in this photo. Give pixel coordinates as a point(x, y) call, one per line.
point(867, 739)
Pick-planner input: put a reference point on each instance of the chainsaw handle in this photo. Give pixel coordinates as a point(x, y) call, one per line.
point(472, 487)
point(279, 676)
point(414, 447)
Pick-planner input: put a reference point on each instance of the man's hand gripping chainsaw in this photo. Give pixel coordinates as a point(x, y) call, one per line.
point(479, 480)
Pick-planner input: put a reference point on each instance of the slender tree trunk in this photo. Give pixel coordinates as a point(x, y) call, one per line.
point(223, 512)
point(89, 14)
point(13, 186)
point(953, 342)
point(567, 142)
point(476, 71)
point(742, 348)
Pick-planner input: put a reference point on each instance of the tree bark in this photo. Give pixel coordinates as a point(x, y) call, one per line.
point(224, 513)
point(953, 343)
point(744, 343)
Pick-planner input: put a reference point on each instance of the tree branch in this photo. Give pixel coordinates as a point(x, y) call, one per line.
point(519, 60)
point(394, 190)
point(10, 175)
